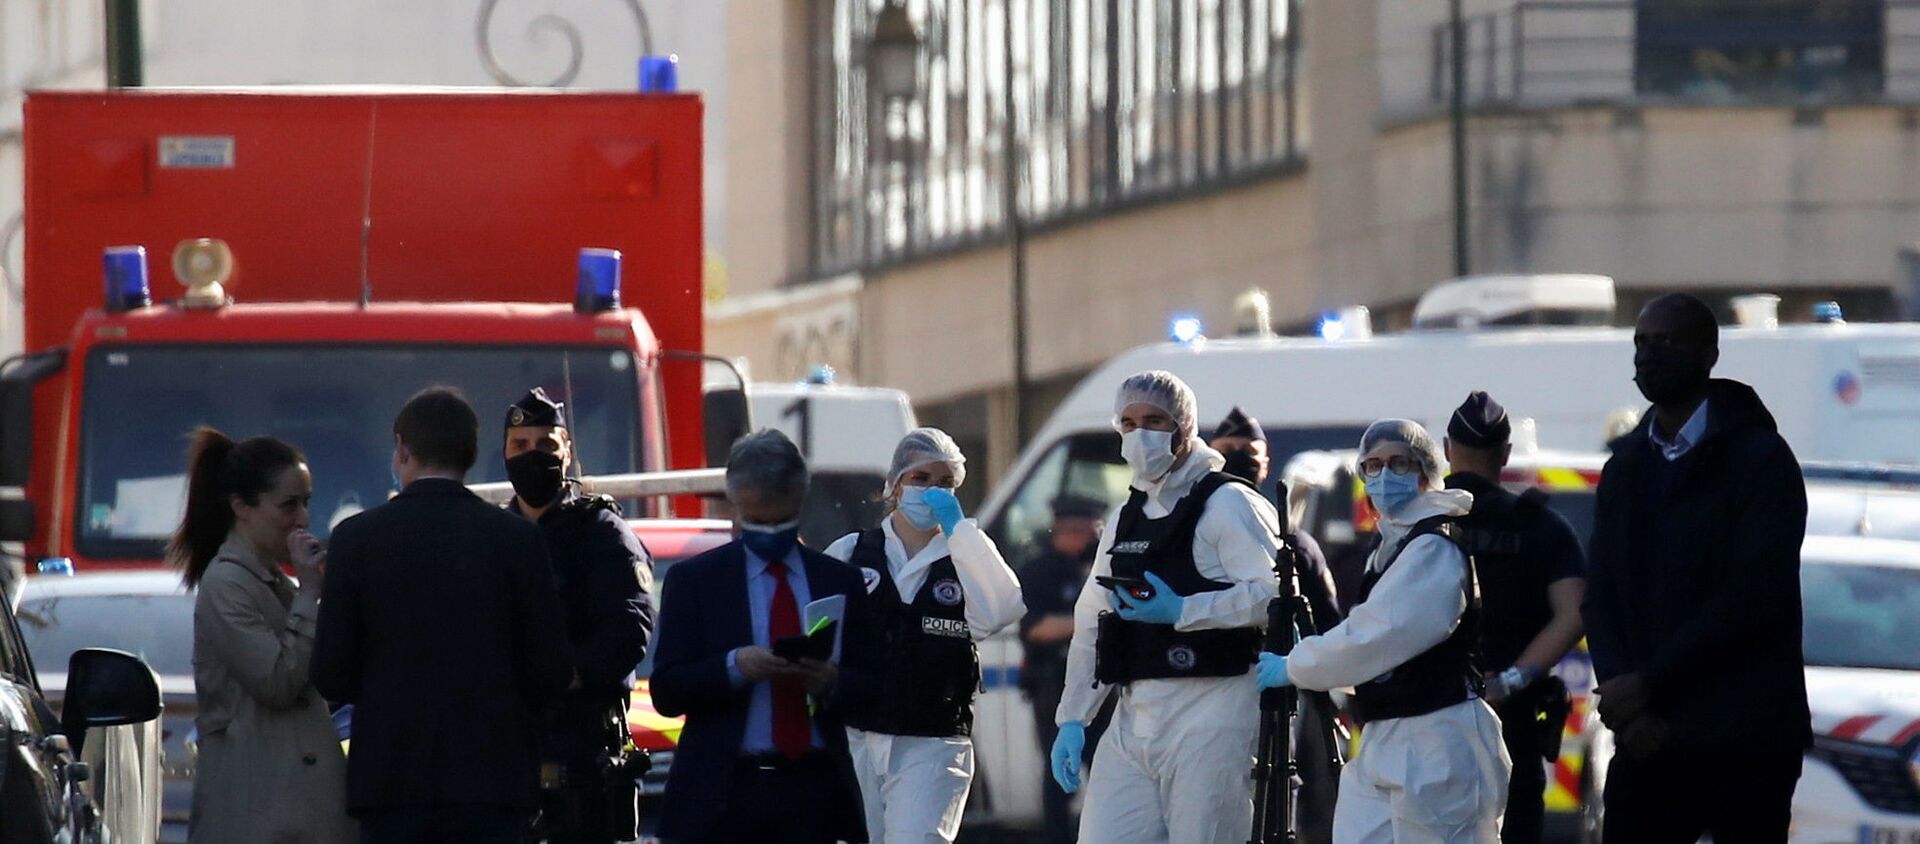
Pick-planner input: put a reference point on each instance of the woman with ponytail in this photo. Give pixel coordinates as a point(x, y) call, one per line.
point(270, 767)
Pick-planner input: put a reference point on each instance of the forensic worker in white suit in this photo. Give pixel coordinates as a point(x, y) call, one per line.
point(937, 586)
point(1190, 556)
point(1432, 768)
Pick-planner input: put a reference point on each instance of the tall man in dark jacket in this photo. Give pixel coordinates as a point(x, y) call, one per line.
point(440, 624)
point(1693, 601)
point(605, 579)
point(763, 756)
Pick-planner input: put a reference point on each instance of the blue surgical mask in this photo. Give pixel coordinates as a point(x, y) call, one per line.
point(1391, 490)
point(914, 506)
point(770, 542)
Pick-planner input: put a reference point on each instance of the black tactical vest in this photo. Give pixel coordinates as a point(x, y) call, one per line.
point(931, 670)
point(1442, 676)
point(1129, 650)
point(1504, 535)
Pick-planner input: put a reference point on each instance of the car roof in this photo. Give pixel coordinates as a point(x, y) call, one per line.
point(135, 582)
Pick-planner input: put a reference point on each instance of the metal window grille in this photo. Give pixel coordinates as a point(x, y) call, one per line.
point(1115, 102)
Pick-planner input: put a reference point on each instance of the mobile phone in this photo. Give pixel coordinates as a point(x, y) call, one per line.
point(1132, 587)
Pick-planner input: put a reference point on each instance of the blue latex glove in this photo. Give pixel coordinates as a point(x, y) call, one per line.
point(1163, 608)
point(1273, 671)
point(1067, 750)
point(946, 508)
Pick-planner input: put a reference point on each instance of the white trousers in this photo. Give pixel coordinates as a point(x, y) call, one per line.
point(1439, 778)
point(1176, 765)
point(914, 787)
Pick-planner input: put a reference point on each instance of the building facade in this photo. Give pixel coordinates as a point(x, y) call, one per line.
point(1166, 155)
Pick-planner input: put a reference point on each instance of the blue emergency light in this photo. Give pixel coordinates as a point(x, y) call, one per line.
point(1185, 329)
point(659, 74)
point(1332, 327)
point(821, 375)
point(597, 287)
point(125, 276)
point(62, 566)
point(1828, 312)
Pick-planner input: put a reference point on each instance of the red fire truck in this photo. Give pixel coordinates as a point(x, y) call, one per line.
point(341, 249)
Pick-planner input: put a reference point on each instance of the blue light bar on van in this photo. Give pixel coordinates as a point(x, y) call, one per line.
point(125, 278)
point(597, 286)
point(1185, 329)
point(1828, 312)
point(56, 566)
point(1332, 327)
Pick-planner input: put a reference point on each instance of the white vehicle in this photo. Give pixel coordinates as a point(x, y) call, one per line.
point(1840, 392)
point(847, 435)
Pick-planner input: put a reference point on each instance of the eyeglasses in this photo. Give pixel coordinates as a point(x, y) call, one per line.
point(1400, 464)
point(948, 484)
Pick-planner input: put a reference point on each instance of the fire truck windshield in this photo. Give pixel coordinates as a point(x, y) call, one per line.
point(335, 403)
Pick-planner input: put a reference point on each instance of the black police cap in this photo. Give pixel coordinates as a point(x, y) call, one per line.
point(1479, 422)
point(1239, 424)
point(1077, 507)
point(535, 410)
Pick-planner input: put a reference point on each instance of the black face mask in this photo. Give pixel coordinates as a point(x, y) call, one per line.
point(1669, 376)
point(537, 477)
point(1241, 464)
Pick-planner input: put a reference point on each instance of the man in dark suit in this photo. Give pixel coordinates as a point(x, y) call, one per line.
point(1693, 601)
point(440, 624)
point(763, 757)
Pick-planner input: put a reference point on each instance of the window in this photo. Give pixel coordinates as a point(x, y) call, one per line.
point(156, 628)
point(1111, 101)
point(335, 403)
point(1861, 616)
point(1777, 49)
point(1086, 465)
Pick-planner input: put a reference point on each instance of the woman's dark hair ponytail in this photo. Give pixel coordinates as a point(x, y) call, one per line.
point(218, 469)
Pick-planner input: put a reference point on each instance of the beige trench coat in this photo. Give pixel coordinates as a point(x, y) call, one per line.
point(270, 767)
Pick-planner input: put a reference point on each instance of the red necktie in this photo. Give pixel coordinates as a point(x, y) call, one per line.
point(792, 732)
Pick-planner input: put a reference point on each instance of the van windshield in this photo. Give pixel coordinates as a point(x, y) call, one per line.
point(1088, 464)
point(335, 403)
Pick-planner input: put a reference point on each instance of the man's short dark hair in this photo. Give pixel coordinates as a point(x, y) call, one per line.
point(1697, 315)
point(440, 428)
point(769, 463)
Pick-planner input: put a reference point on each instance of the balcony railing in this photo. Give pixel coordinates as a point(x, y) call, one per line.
point(1551, 53)
point(1115, 102)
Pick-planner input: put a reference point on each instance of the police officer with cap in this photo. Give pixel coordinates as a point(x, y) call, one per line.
point(1531, 583)
point(1050, 583)
point(1240, 439)
point(605, 578)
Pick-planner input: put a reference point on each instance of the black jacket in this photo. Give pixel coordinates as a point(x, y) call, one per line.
point(440, 623)
point(1711, 618)
point(706, 617)
point(605, 579)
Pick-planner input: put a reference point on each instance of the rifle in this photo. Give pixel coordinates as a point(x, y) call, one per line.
point(1276, 768)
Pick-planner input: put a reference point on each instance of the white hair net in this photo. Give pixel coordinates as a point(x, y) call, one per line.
point(922, 446)
point(1163, 390)
point(1408, 433)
